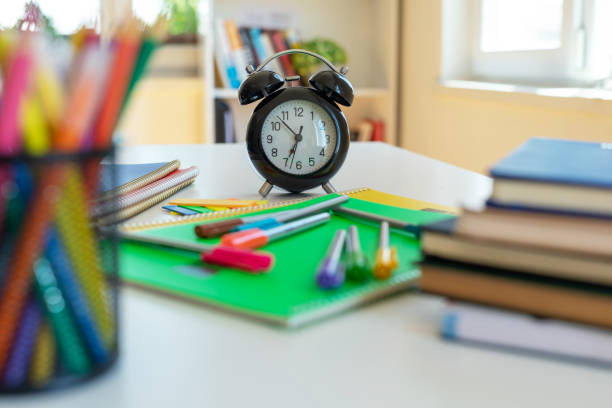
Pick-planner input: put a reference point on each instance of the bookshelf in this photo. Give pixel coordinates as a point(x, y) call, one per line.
point(368, 30)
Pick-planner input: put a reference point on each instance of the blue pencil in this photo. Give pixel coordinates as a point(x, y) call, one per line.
point(75, 298)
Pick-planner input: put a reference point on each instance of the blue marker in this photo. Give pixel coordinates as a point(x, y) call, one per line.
point(330, 274)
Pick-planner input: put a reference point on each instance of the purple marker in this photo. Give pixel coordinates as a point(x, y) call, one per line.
point(330, 274)
point(17, 366)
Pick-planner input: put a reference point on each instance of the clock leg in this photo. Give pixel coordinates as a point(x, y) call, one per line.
point(329, 188)
point(265, 189)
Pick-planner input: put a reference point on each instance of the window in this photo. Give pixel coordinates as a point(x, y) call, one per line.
point(64, 17)
point(541, 42)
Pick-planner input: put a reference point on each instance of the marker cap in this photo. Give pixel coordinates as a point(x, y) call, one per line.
point(248, 261)
point(331, 274)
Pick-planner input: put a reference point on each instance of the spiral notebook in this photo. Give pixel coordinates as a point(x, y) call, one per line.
point(137, 187)
point(287, 295)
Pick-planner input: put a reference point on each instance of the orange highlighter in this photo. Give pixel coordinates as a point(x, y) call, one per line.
point(255, 237)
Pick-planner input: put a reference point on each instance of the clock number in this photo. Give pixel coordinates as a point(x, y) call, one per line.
point(311, 115)
point(276, 125)
point(286, 159)
point(311, 161)
point(274, 152)
point(322, 153)
point(298, 165)
point(298, 111)
point(327, 138)
point(269, 138)
point(322, 124)
point(285, 115)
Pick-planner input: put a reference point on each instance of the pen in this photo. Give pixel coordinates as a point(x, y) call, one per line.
point(357, 265)
point(217, 228)
point(406, 226)
point(248, 261)
point(330, 274)
point(255, 238)
point(386, 257)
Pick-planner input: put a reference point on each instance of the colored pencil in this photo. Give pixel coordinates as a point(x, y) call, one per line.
point(74, 228)
point(70, 346)
point(16, 372)
point(43, 356)
point(75, 298)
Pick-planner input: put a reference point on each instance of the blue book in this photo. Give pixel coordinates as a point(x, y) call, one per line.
point(258, 46)
point(556, 175)
point(521, 333)
point(559, 161)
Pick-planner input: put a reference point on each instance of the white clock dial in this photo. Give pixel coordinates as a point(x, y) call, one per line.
point(299, 137)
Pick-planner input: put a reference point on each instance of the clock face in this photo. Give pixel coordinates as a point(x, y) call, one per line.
point(299, 137)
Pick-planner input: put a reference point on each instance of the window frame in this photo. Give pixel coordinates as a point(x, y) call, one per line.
point(567, 65)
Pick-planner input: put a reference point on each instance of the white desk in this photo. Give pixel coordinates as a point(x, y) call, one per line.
point(178, 354)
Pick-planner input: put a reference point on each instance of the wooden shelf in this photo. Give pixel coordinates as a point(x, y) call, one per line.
point(367, 29)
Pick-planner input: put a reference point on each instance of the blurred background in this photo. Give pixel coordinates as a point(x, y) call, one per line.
point(463, 81)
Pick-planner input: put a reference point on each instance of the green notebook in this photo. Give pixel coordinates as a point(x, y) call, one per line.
point(287, 294)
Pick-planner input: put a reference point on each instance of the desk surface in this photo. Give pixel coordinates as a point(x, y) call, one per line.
point(178, 354)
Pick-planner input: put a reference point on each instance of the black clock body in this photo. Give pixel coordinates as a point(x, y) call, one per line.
point(276, 176)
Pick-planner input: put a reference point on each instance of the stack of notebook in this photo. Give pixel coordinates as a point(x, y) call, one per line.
point(542, 246)
point(129, 189)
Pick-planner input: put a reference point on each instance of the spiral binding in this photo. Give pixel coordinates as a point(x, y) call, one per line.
point(138, 226)
point(140, 207)
point(141, 181)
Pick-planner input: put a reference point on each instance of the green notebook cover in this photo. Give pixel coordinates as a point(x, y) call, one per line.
point(287, 294)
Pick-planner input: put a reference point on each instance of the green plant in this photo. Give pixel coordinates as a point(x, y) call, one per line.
point(34, 16)
point(182, 16)
point(306, 65)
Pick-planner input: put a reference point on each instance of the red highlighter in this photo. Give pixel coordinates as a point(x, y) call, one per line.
point(255, 238)
point(238, 258)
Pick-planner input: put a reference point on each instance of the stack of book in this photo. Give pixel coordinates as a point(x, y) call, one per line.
point(543, 245)
point(236, 47)
point(128, 189)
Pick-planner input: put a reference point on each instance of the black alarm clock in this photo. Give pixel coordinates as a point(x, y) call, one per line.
point(297, 137)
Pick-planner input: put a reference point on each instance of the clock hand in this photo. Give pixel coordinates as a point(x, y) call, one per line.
point(298, 139)
point(287, 126)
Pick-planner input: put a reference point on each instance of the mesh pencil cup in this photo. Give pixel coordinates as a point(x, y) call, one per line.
point(58, 273)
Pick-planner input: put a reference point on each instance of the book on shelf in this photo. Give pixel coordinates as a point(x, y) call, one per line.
point(238, 52)
point(236, 47)
point(224, 123)
point(370, 130)
point(511, 331)
point(223, 57)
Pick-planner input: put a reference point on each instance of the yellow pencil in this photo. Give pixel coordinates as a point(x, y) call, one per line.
point(34, 127)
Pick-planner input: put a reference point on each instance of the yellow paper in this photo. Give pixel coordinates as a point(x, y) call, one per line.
point(216, 208)
point(203, 202)
point(379, 197)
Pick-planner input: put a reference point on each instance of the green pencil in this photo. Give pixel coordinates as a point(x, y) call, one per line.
point(71, 348)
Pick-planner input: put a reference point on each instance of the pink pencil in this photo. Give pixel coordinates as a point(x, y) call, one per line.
point(15, 85)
